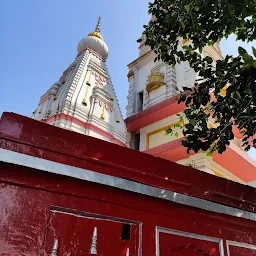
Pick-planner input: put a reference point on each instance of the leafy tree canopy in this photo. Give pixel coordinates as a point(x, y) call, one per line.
point(204, 23)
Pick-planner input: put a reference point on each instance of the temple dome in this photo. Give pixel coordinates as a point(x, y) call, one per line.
point(94, 43)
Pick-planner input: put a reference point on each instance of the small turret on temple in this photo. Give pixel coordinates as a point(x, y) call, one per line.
point(83, 99)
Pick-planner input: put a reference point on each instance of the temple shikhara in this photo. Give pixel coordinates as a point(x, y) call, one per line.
point(84, 100)
point(79, 179)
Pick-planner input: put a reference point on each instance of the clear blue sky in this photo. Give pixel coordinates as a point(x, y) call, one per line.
point(39, 40)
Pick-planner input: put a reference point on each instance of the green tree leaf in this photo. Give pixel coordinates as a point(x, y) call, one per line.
point(254, 51)
point(209, 59)
point(241, 51)
point(187, 7)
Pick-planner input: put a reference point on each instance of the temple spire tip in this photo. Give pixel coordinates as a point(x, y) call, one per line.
point(97, 29)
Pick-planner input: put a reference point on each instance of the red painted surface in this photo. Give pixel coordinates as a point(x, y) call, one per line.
point(235, 250)
point(171, 244)
point(36, 206)
point(24, 135)
point(233, 159)
point(78, 229)
point(153, 114)
point(241, 165)
point(172, 150)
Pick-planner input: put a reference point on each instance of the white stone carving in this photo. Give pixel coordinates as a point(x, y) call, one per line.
point(93, 249)
point(55, 248)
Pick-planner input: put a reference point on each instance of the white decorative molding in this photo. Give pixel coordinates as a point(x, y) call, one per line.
point(97, 68)
point(78, 71)
point(93, 249)
point(189, 75)
point(171, 84)
point(252, 183)
point(130, 108)
point(158, 66)
point(127, 252)
point(55, 248)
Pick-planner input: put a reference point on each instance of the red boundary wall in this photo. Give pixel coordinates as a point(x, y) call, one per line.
point(39, 206)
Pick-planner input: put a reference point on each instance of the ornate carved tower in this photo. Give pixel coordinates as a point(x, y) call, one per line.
point(83, 99)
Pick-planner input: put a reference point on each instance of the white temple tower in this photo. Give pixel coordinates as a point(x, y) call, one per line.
point(83, 99)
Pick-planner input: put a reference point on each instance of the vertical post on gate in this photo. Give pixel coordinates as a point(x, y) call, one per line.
point(55, 248)
point(93, 249)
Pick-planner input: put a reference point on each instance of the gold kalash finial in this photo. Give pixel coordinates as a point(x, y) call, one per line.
point(96, 33)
